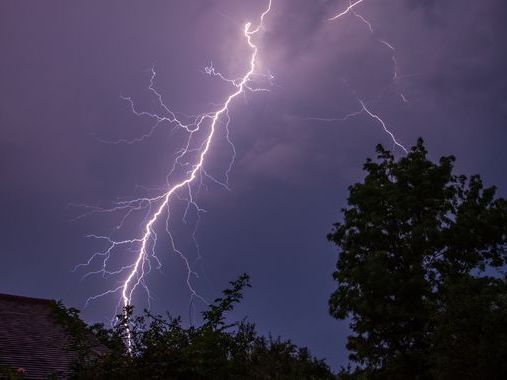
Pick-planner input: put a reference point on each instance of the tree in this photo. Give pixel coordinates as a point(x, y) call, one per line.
point(419, 272)
point(9, 373)
point(162, 348)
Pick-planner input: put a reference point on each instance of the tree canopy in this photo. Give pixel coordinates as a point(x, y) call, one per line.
point(419, 272)
point(162, 348)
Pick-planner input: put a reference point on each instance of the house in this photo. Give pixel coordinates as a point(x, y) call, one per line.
point(31, 340)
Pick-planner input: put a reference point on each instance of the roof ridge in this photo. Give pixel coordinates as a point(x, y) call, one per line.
point(25, 299)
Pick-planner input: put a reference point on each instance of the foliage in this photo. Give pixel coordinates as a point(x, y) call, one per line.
point(162, 348)
point(9, 373)
point(418, 273)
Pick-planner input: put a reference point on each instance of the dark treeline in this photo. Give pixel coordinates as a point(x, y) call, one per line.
point(156, 347)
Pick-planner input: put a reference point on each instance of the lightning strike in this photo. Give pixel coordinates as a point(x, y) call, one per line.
point(384, 126)
point(364, 109)
point(157, 206)
point(137, 273)
point(348, 10)
point(191, 158)
point(387, 44)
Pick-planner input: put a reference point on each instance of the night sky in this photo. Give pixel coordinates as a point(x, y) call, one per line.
point(64, 67)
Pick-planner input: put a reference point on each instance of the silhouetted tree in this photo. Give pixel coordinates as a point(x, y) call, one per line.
point(161, 348)
point(9, 373)
point(418, 272)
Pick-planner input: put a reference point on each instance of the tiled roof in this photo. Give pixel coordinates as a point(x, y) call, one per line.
point(31, 339)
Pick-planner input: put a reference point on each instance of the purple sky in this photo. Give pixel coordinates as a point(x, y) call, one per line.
point(65, 65)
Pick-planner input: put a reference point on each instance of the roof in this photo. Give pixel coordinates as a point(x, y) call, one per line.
point(31, 339)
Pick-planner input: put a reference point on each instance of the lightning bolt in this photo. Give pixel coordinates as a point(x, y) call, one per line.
point(136, 275)
point(351, 9)
point(192, 157)
point(383, 124)
point(347, 10)
point(387, 44)
point(156, 207)
point(365, 110)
